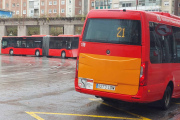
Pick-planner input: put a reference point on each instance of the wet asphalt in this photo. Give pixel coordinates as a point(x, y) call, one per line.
point(41, 88)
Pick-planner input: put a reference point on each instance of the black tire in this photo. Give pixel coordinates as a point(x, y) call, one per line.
point(165, 102)
point(37, 53)
point(63, 54)
point(11, 52)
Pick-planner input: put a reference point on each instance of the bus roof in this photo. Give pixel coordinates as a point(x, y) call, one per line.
point(65, 35)
point(38, 35)
point(124, 10)
point(20, 36)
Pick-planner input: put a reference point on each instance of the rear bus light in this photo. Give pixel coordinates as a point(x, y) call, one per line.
point(143, 71)
point(85, 83)
point(77, 66)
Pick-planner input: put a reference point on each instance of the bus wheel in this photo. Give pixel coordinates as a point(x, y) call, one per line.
point(11, 52)
point(37, 53)
point(63, 54)
point(165, 102)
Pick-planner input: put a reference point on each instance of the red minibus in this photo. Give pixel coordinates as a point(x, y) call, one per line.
point(132, 56)
point(62, 45)
point(25, 45)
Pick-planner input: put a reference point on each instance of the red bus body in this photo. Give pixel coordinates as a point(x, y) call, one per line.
point(156, 77)
point(22, 50)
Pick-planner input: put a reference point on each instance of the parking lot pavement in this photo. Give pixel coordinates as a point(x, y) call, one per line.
point(40, 88)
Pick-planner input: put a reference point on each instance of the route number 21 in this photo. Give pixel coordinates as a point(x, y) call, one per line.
point(120, 30)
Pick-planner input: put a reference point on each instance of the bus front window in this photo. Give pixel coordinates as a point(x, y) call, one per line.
point(4, 43)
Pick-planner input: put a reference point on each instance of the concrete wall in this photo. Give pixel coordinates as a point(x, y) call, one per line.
point(2, 33)
point(43, 23)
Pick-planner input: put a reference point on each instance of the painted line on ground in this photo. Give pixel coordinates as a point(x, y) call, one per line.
point(34, 114)
point(100, 101)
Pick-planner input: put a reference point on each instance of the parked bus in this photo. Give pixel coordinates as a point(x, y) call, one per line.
point(132, 56)
point(62, 45)
point(24, 45)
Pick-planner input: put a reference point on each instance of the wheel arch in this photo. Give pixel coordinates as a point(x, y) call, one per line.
point(36, 50)
point(10, 51)
point(171, 84)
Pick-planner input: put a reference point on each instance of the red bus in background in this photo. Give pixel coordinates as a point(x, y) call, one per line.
point(63, 45)
point(41, 45)
point(25, 45)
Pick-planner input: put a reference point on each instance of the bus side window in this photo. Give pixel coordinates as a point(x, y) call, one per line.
point(178, 51)
point(18, 43)
point(177, 43)
point(30, 44)
point(23, 43)
point(155, 49)
point(37, 44)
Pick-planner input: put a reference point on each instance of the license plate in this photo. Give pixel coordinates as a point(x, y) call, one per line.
point(107, 87)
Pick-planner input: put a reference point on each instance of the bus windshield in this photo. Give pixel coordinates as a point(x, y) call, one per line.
point(4, 43)
point(116, 31)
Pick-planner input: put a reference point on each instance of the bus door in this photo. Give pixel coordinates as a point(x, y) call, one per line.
point(18, 46)
point(38, 44)
point(74, 46)
point(30, 46)
point(24, 50)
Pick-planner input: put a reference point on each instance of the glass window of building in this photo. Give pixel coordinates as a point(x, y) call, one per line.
point(7, 5)
point(62, 2)
point(97, 3)
point(42, 11)
point(55, 3)
point(62, 11)
point(50, 10)
point(17, 12)
point(24, 11)
point(166, 3)
point(50, 2)
point(24, 4)
point(55, 11)
point(13, 5)
point(92, 4)
point(42, 3)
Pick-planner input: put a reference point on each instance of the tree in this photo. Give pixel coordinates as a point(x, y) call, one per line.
point(34, 30)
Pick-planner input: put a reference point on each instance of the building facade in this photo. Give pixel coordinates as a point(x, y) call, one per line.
point(51, 8)
point(1, 4)
point(147, 5)
point(72, 8)
point(168, 6)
